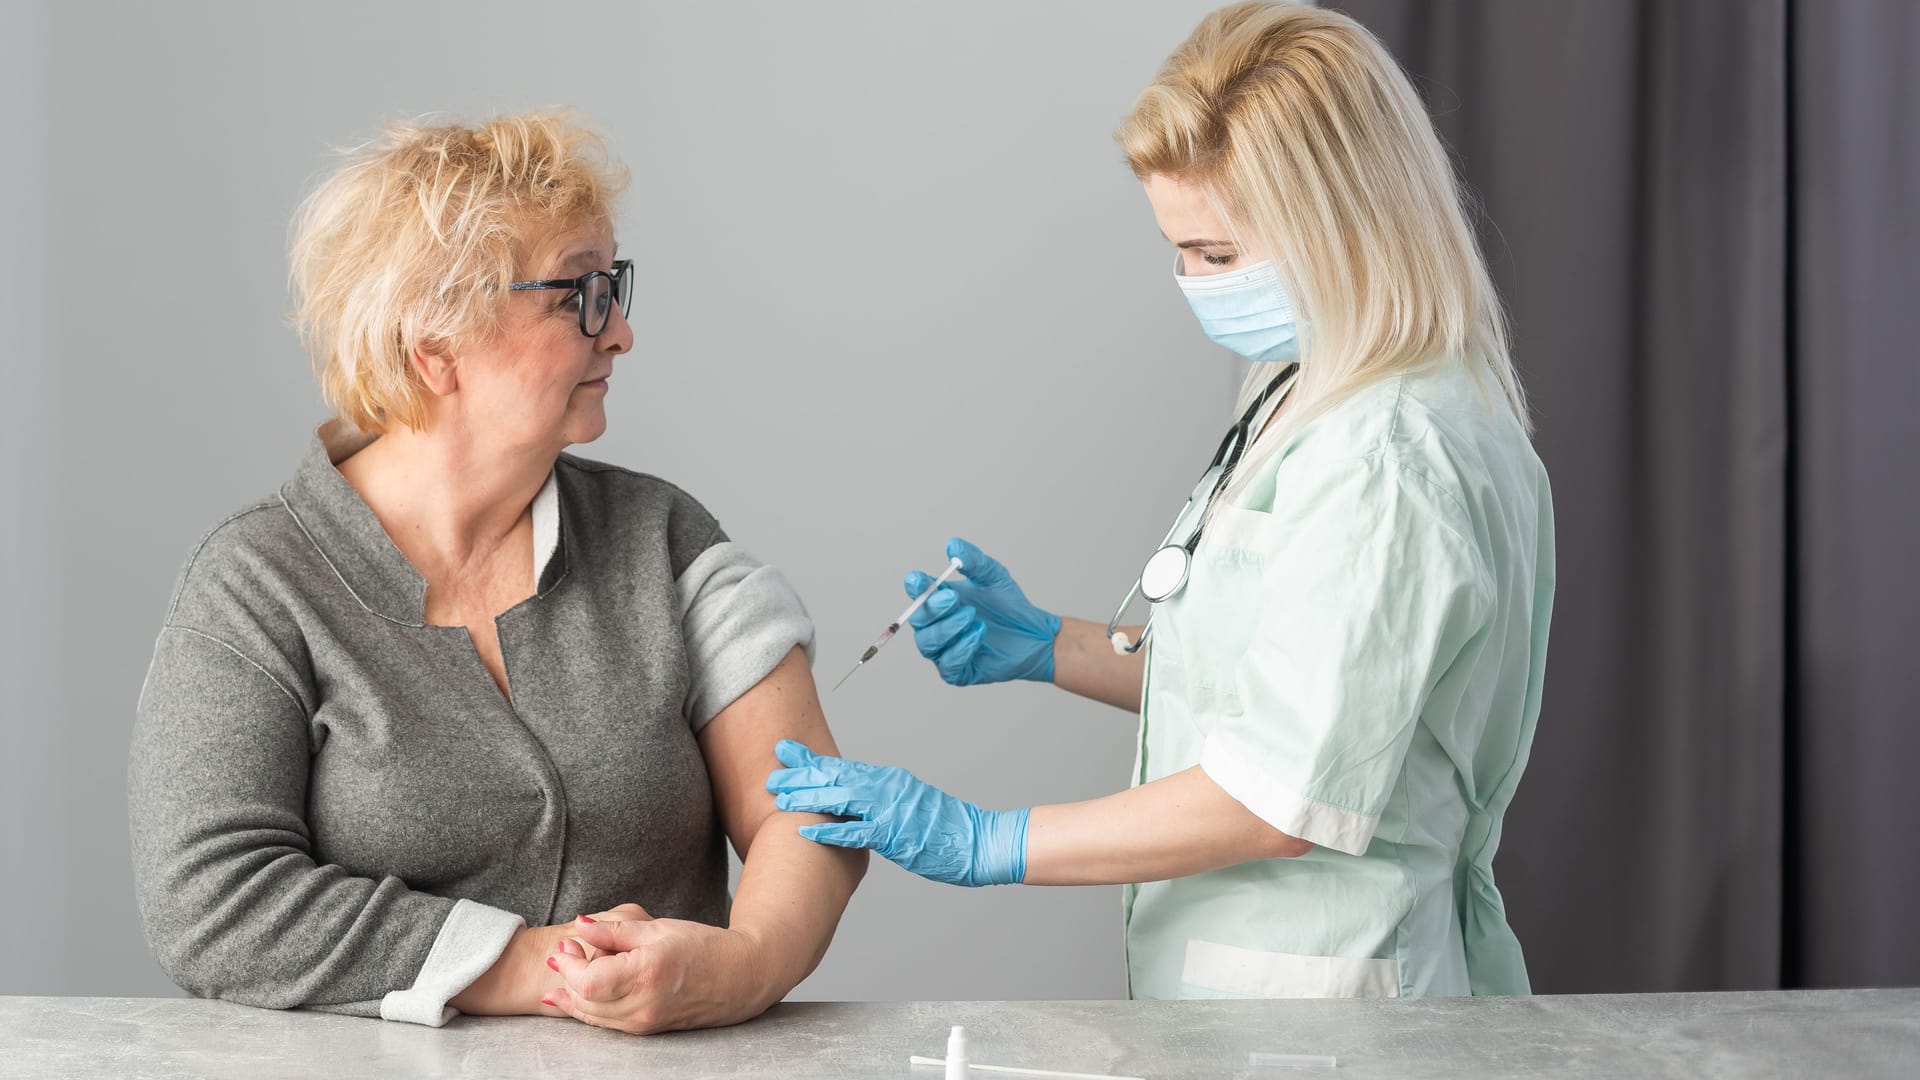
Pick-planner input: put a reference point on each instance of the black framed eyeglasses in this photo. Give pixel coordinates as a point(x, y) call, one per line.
point(597, 292)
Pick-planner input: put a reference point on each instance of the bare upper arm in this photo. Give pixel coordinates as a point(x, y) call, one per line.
point(738, 744)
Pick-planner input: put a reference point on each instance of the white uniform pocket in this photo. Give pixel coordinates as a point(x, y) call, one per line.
point(1217, 613)
point(1213, 968)
point(1250, 531)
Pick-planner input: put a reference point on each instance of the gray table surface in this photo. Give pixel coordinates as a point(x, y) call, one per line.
point(1828, 1033)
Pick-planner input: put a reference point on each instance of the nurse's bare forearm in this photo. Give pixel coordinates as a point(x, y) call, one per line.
point(1180, 825)
point(1084, 663)
point(791, 896)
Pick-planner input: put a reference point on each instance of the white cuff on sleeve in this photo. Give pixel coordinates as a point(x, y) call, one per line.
point(739, 617)
point(1316, 822)
point(471, 939)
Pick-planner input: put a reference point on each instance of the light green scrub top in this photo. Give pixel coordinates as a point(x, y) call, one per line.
point(1357, 659)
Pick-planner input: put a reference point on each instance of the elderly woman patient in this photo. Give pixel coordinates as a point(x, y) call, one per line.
point(451, 687)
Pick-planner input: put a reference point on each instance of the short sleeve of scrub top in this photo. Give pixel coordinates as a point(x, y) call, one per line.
point(1382, 589)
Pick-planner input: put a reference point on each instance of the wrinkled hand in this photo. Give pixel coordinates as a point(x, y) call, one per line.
point(659, 975)
point(983, 629)
point(520, 978)
point(902, 817)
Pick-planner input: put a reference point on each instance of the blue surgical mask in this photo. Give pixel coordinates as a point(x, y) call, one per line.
point(1244, 310)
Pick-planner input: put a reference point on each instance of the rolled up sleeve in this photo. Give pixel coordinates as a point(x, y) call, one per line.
point(740, 618)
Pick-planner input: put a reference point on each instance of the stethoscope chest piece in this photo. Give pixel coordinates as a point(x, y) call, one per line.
point(1165, 573)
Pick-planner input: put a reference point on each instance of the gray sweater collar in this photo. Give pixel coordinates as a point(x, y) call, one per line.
point(350, 538)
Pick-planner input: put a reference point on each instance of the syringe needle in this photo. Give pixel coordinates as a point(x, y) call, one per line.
point(864, 657)
point(953, 567)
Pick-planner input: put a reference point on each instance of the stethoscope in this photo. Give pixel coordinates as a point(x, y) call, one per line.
point(1166, 571)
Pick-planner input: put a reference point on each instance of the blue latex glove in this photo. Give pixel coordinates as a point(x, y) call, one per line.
point(983, 629)
point(903, 818)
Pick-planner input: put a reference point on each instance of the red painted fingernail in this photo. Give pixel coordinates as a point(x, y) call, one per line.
point(552, 964)
point(550, 1002)
point(588, 918)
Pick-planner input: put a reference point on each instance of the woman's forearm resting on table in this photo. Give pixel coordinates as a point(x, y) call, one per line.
point(791, 896)
point(792, 893)
point(668, 974)
point(1180, 825)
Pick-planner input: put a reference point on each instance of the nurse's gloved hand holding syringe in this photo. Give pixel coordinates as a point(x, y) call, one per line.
point(919, 599)
point(983, 629)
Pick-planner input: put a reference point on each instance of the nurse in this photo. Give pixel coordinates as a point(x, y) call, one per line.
point(1341, 676)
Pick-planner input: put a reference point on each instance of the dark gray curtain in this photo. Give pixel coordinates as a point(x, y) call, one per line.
point(1702, 217)
point(1854, 749)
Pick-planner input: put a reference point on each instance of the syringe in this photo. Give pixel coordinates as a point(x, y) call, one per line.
point(953, 567)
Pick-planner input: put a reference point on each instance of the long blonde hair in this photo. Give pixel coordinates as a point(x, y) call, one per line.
point(1309, 140)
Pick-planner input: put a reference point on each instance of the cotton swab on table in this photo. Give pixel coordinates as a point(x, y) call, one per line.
point(1013, 1070)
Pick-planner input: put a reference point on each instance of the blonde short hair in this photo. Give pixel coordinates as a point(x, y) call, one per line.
point(415, 237)
point(1309, 139)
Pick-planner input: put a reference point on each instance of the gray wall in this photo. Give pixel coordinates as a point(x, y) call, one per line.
point(895, 284)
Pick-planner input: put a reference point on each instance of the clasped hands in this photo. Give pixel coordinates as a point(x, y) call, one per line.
point(624, 969)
